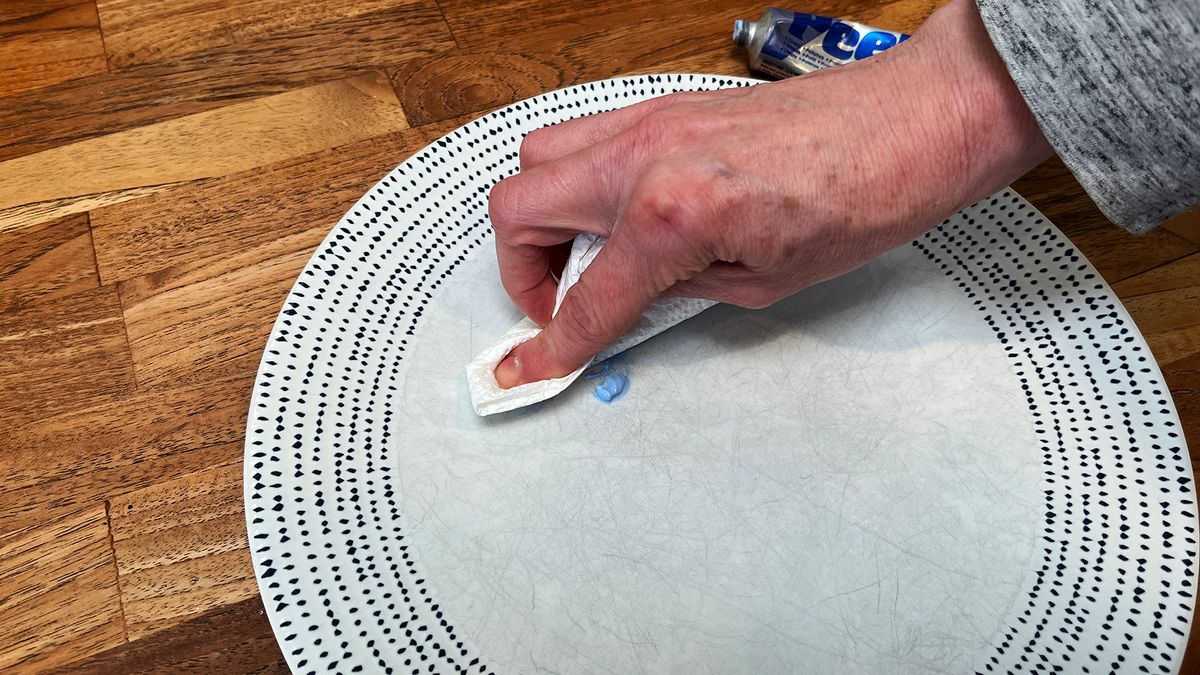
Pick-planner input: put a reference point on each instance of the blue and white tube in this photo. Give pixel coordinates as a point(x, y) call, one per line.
point(783, 43)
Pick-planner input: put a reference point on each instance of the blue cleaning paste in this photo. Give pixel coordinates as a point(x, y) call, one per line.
point(611, 379)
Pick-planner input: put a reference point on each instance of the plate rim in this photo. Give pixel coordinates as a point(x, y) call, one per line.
point(275, 616)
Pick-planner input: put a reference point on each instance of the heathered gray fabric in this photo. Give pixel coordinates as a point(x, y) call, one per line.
point(1115, 86)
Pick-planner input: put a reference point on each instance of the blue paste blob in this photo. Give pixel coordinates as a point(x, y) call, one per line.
point(611, 379)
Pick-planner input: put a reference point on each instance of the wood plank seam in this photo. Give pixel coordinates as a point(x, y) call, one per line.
point(182, 418)
point(56, 45)
point(127, 98)
point(1126, 295)
point(30, 214)
point(112, 548)
point(58, 563)
point(1148, 269)
point(100, 28)
point(133, 163)
point(87, 217)
point(137, 380)
point(181, 547)
point(46, 262)
point(449, 28)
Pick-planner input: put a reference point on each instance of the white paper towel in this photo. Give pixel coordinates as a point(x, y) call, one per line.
point(488, 398)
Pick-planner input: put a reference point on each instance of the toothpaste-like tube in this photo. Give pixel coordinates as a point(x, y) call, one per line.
point(783, 43)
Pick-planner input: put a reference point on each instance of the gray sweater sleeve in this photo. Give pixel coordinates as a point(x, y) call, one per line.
point(1115, 87)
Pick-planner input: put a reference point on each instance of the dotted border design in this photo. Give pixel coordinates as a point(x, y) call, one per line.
point(1114, 588)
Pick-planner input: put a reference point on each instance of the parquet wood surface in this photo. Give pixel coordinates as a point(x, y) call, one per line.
point(166, 169)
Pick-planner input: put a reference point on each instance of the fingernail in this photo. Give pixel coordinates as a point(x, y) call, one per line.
point(508, 372)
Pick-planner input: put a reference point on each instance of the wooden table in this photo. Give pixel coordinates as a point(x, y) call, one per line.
point(166, 169)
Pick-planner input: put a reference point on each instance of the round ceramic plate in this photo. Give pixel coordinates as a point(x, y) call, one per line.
point(958, 458)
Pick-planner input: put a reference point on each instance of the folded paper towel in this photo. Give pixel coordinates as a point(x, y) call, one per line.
point(489, 398)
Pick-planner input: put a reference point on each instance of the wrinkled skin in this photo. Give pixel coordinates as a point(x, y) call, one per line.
point(749, 195)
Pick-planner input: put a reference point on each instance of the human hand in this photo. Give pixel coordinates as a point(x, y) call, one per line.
point(748, 195)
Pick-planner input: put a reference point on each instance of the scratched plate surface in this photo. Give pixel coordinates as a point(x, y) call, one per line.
point(958, 458)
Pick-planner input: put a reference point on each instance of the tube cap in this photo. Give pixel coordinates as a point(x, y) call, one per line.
point(743, 32)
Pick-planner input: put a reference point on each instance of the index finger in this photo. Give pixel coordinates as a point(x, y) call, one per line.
point(631, 271)
point(549, 205)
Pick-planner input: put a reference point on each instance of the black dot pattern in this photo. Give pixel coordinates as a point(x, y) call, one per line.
point(1113, 587)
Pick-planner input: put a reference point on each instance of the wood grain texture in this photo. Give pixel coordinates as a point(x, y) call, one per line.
point(1175, 276)
point(181, 548)
point(503, 62)
point(556, 48)
point(60, 356)
point(166, 169)
point(45, 262)
point(442, 87)
point(125, 99)
point(495, 27)
point(1163, 303)
point(16, 10)
point(198, 324)
point(234, 638)
point(43, 42)
point(1171, 334)
point(1155, 300)
point(238, 137)
point(491, 26)
point(141, 31)
point(1183, 378)
point(1186, 225)
point(58, 593)
point(82, 456)
point(194, 310)
point(1116, 253)
point(200, 224)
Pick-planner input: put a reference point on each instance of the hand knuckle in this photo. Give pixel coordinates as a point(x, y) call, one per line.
point(669, 213)
point(661, 124)
point(656, 130)
point(503, 207)
point(534, 145)
point(691, 202)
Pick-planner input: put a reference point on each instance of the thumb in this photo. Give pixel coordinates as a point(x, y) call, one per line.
point(606, 301)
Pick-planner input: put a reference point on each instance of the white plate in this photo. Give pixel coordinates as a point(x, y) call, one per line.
point(960, 458)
